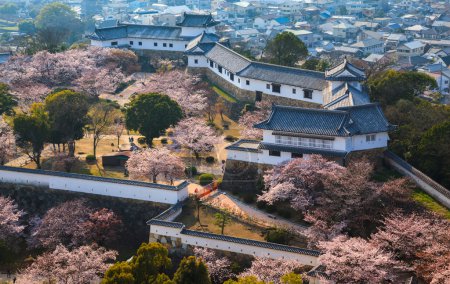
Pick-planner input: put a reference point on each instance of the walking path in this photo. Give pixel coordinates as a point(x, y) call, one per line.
point(227, 202)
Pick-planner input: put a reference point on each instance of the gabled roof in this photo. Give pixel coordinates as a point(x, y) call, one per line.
point(413, 44)
point(197, 20)
point(346, 121)
point(345, 71)
point(284, 75)
point(227, 58)
point(137, 31)
point(343, 96)
point(367, 43)
point(202, 43)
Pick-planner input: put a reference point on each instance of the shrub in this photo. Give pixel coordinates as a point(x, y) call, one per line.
point(284, 212)
point(279, 236)
point(90, 158)
point(261, 205)
point(205, 179)
point(141, 140)
point(249, 198)
point(164, 141)
point(191, 171)
point(230, 138)
point(210, 159)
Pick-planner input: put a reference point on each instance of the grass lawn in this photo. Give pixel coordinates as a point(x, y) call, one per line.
point(224, 94)
point(235, 228)
point(429, 203)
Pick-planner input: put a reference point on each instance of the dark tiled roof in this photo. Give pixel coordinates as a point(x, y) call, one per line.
point(345, 95)
point(302, 150)
point(251, 242)
point(138, 31)
point(338, 72)
point(238, 146)
point(202, 43)
point(284, 75)
point(197, 20)
point(95, 178)
point(169, 212)
point(165, 223)
point(227, 58)
point(346, 121)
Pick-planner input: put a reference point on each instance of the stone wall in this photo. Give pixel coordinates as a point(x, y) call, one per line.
point(240, 176)
point(375, 156)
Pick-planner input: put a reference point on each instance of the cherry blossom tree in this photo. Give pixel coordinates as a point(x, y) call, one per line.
point(86, 226)
point(250, 118)
point(85, 264)
point(193, 134)
point(10, 215)
point(270, 270)
point(63, 162)
point(333, 198)
point(149, 163)
point(218, 267)
point(7, 143)
point(186, 89)
point(92, 70)
point(355, 260)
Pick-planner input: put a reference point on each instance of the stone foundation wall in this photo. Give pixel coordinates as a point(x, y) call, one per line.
point(240, 176)
point(375, 156)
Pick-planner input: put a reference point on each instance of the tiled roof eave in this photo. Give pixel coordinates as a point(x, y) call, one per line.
point(302, 150)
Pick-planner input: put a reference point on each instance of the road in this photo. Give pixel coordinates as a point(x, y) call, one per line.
point(227, 202)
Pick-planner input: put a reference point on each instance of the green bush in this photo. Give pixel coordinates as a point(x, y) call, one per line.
point(279, 236)
point(249, 198)
point(164, 141)
point(284, 212)
point(191, 171)
point(210, 159)
point(90, 158)
point(141, 140)
point(230, 138)
point(205, 179)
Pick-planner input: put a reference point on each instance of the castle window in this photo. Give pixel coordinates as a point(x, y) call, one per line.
point(164, 44)
point(113, 43)
point(140, 43)
point(294, 91)
point(131, 42)
point(370, 138)
point(231, 76)
point(268, 86)
point(170, 44)
point(211, 64)
point(155, 44)
point(296, 155)
point(307, 94)
point(220, 68)
point(276, 88)
point(247, 82)
point(196, 61)
point(274, 153)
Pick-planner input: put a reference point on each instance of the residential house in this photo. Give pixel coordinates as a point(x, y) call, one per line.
point(369, 45)
point(307, 37)
point(344, 31)
point(412, 48)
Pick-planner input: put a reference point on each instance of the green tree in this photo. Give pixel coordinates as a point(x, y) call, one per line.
point(390, 86)
point(56, 23)
point(67, 112)
point(32, 131)
point(316, 64)
point(119, 273)
point(433, 153)
point(27, 27)
point(279, 236)
point(151, 114)
point(191, 271)
point(285, 49)
point(150, 261)
point(291, 278)
point(245, 280)
point(7, 101)
point(221, 220)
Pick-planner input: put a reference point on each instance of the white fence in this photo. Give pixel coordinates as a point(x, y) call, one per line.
point(96, 185)
point(163, 227)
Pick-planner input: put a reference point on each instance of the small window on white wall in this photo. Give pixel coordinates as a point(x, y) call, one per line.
point(196, 61)
point(370, 138)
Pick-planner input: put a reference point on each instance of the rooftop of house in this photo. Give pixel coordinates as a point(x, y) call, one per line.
point(413, 44)
point(136, 31)
point(197, 20)
point(367, 43)
point(345, 121)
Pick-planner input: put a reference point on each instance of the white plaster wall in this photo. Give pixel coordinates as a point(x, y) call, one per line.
point(232, 246)
point(201, 61)
point(95, 187)
point(243, 156)
point(147, 44)
point(359, 142)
